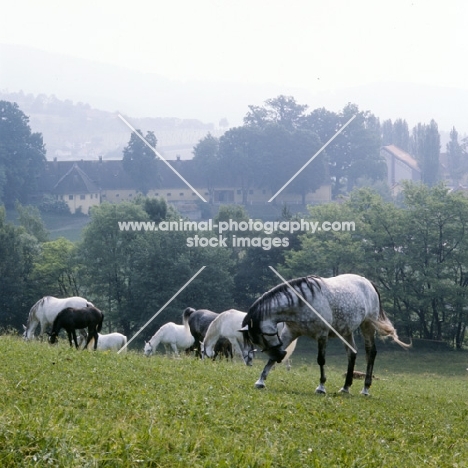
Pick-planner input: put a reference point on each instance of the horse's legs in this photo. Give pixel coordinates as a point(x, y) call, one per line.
point(174, 349)
point(197, 347)
point(96, 338)
point(322, 347)
point(91, 335)
point(236, 347)
point(371, 353)
point(351, 362)
point(71, 335)
point(260, 383)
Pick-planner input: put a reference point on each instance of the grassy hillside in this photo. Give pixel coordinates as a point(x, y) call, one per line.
point(62, 407)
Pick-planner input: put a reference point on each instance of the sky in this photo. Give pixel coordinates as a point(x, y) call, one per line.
point(314, 45)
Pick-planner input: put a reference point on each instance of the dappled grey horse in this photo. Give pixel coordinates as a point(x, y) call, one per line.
point(329, 307)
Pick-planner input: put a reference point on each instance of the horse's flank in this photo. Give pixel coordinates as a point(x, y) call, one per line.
point(45, 310)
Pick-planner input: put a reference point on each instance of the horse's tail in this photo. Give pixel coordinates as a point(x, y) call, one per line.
point(187, 313)
point(384, 327)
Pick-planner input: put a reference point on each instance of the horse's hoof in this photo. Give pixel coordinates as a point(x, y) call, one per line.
point(344, 390)
point(320, 390)
point(365, 392)
point(259, 385)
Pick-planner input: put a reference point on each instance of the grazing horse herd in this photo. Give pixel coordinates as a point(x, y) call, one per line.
point(320, 308)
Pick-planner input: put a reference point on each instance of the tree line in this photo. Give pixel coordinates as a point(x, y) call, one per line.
point(414, 250)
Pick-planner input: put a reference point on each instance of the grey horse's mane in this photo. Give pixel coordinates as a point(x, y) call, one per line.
point(261, 308)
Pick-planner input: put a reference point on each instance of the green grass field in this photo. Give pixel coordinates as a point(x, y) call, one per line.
point(68, 408)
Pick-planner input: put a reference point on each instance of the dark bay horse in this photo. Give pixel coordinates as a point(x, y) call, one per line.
point(72, 319)
point(198, 321)
point(344, 303)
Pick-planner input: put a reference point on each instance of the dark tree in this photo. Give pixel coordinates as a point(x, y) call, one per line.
point(282, 110)
point(139, 161)
point(425, 145)
point(455, 158)
point(401, 136)
point(22, 155)
point(206, 159)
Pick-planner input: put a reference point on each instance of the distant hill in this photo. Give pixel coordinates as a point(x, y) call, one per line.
point(185, 104)
point(77, 131)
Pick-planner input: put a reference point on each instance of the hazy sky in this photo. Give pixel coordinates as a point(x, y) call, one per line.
point(316, 45)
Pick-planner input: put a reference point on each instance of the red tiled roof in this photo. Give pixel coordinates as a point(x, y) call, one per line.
point(402, 156)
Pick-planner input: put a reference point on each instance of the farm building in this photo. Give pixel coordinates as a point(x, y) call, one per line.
point(86, 183)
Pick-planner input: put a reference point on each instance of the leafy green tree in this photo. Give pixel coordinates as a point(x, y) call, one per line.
point(327, 252)
point(131, 274)
point(355, 153)
point(30, 218)
point(18, 251)
point(56, 269)
point(156, 208)
point(239, 150)
point(106, 256)
point(139, 161)
point(387, 132)
point(282, 110)
point(396, 133)
point(22, 155)
point(206, 158)
point(425, 145)
point(303, 144)
point(401, 136)
point(456, 158)
point(435, 248)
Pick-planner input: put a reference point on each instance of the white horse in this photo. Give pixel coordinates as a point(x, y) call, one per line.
point(227, 325)
point(45, 310)
point(110, 342)
point(173, 335)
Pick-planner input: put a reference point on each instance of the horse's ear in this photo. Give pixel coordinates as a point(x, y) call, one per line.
point(245, 328)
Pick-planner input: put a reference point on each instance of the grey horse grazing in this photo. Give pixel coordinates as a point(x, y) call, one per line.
point(45, 310)
point(344, 303)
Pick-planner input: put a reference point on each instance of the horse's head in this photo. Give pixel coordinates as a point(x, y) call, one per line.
point(52, 337)
point(206, 350)
point(28, 332)
point(148, 350)
point(269, 342)
point(248, 354)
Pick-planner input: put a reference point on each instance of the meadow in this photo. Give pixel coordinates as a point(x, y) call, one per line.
point(68, 408)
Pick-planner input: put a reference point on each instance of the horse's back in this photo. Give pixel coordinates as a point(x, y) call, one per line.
point(200, 320)
point(226, 324)
point(79, 318)
point(353, 300)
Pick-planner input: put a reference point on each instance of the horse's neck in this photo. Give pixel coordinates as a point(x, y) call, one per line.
point(155, 339)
